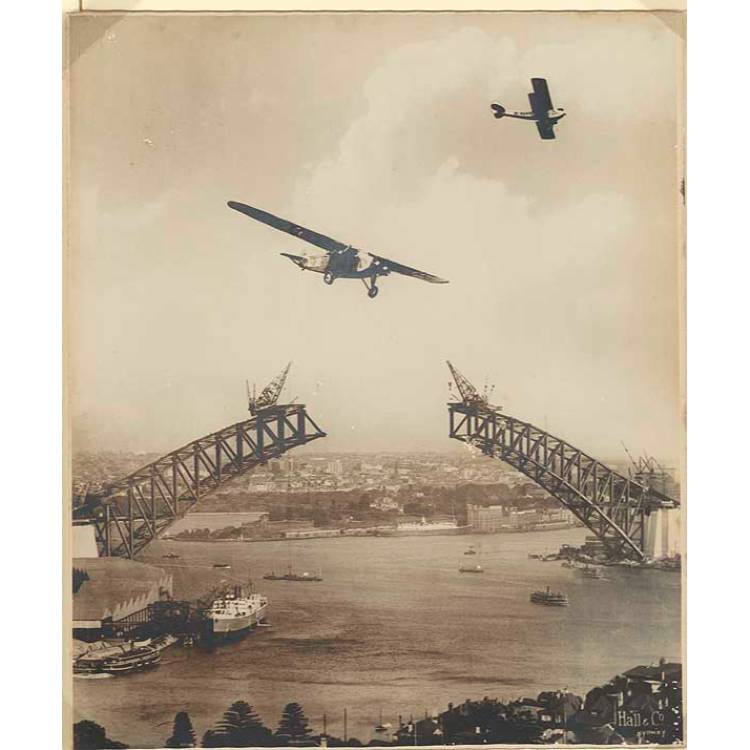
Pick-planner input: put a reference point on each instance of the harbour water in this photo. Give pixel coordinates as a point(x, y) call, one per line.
point(393, 627)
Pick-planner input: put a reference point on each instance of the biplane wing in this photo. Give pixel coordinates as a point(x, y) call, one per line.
point(546, 129)
point(540, 100)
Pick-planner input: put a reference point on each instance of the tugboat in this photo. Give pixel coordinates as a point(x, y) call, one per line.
point(471, 569)
point(549, 598)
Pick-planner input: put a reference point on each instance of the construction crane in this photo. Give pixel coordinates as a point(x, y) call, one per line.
point(469, 394)
point(269, 395)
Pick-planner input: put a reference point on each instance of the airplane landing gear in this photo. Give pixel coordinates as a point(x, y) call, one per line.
point(372, 289)
point(328, 278)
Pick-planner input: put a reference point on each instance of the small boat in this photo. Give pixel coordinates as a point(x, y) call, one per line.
point(470, 551)
point(170, 556)
point(535, 556)
point(380, 726)
point(587, 571)
point(223, 566)
point(471, 569)
point(299, 577)
point(568, 564)
point(549, 598)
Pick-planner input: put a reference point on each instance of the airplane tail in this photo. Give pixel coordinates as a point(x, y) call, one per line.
point(298, 260)
point(498, 109)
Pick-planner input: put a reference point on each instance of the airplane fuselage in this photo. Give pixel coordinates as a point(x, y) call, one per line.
point(346, 264)
point(551, 116)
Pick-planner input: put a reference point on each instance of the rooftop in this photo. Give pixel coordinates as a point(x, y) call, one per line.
point(116, 587)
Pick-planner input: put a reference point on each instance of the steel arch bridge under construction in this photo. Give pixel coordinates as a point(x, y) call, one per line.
point(612, 506)
point(130, 513)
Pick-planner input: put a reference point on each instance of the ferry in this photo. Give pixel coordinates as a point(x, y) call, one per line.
point(549, 598)
point(587, 571)
point(235, 614)
point(136, 660)
point(300, 577)
point(471, 569)
point(120, 658)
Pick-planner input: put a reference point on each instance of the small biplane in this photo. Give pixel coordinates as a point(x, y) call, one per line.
point(542, 112)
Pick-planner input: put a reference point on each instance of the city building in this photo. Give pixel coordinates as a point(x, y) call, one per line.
point(335, 467)
point(663, 533)
point(493, 518)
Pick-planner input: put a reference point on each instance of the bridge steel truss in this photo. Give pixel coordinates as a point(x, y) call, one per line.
point(611, 505)
point(132, 512)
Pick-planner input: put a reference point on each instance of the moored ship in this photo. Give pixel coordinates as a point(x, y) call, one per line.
point(121, 658)
point(135, 661)
point(235, 613)
point(471, 569)
point(549, 598)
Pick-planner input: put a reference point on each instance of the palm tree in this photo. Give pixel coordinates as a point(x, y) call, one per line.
point(239, 727)
point(293, 724)
point(182, 734)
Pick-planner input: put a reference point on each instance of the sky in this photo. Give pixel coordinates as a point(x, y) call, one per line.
point(563, 256)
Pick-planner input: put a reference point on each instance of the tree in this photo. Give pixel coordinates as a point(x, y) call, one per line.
point(293, 724)
point(211, 738)
point(88, 735)
point(239, 727)
point(182, 733)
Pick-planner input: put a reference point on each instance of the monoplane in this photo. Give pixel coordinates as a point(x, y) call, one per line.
point(341, 261)
point(542, 112)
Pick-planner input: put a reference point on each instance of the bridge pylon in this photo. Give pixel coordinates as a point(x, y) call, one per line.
point(612, 506)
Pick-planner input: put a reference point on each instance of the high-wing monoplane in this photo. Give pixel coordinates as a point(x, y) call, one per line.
point(542, 112)
point(341, 261)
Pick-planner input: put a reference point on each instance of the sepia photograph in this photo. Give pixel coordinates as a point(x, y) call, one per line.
point(375, 379)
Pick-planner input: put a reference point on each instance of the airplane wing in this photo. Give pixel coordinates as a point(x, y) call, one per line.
point(541, 95)
point(545, 129)
point(391, 265)
point(319, 240)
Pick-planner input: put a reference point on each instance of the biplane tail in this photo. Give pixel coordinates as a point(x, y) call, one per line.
point(498, 110)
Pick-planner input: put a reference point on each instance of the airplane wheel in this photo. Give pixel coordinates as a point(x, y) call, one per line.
point(372, 292)
point(328, 277)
